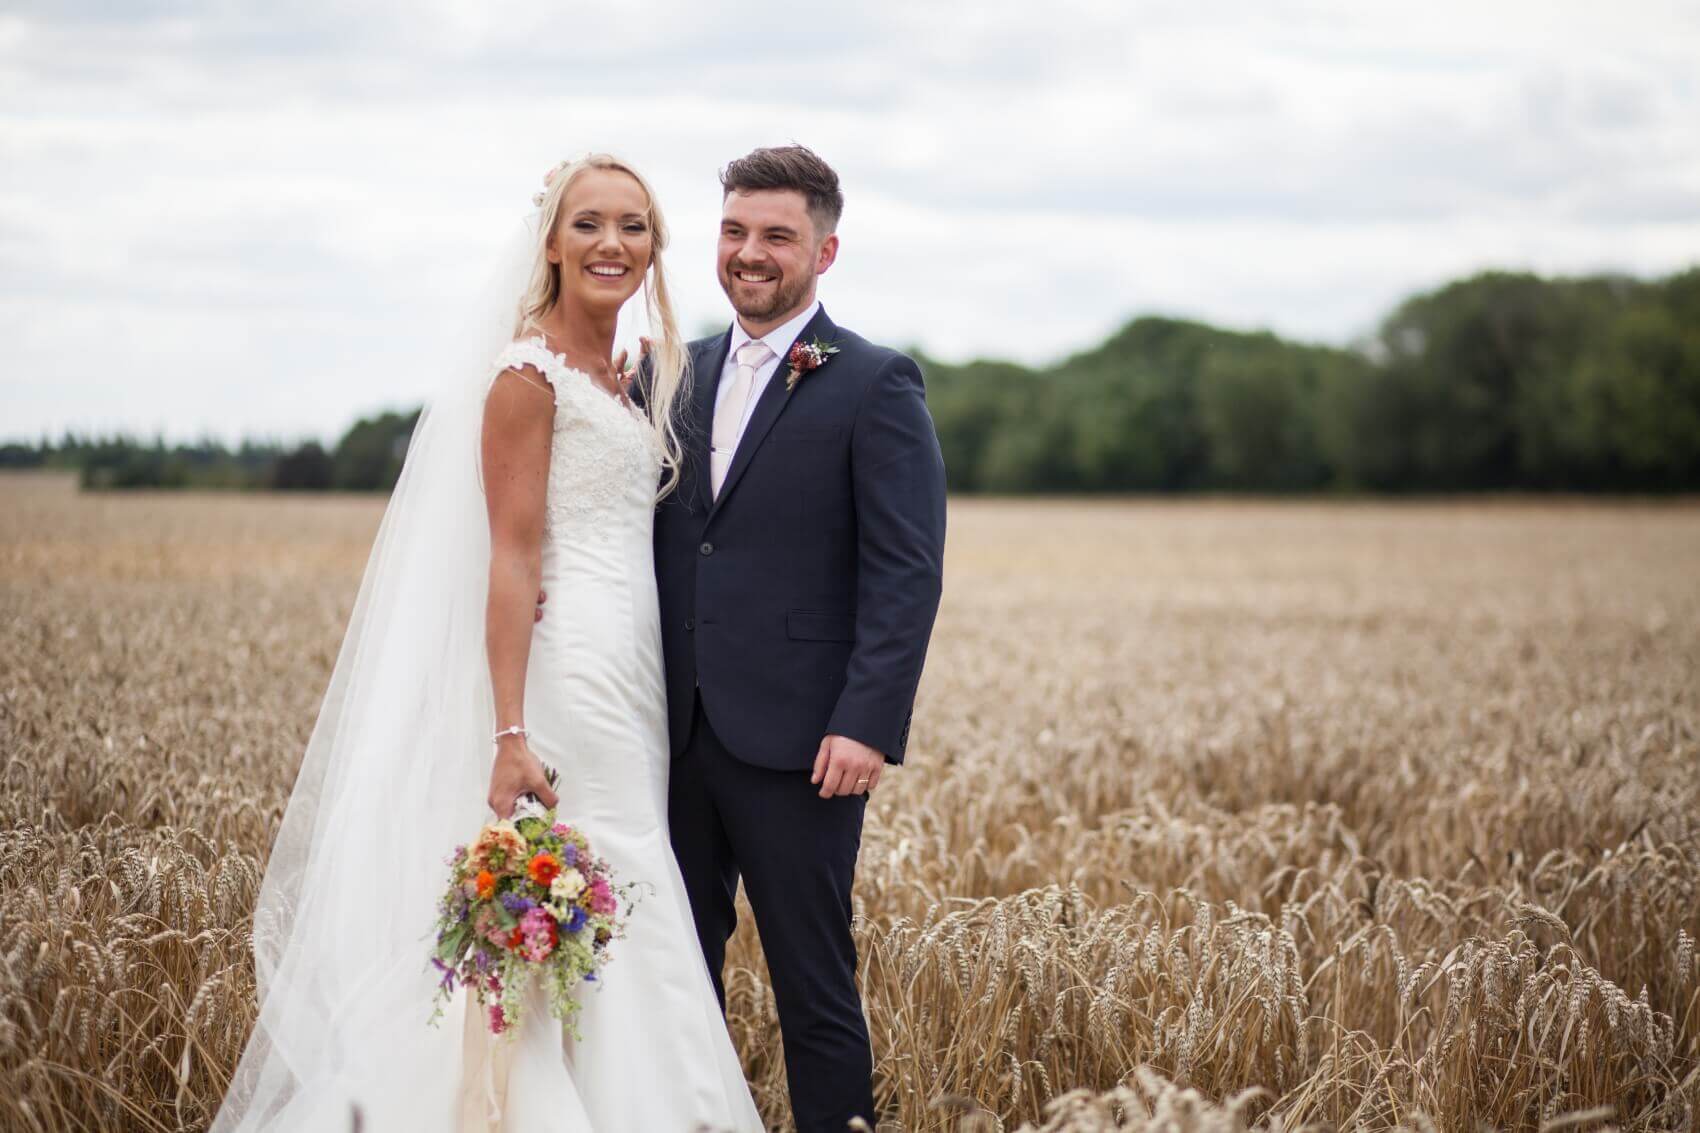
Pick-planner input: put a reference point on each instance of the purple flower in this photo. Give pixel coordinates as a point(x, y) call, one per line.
point(575, 920)
point(516, 904)
point(448, 980)
point(570, 855)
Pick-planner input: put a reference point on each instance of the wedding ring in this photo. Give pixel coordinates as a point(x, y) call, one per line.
point(859, 782)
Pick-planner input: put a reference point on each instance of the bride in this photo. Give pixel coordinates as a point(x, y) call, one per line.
point(531, 470)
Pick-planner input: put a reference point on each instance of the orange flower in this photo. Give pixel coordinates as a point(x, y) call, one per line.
point(486, 883)
point(545, 867)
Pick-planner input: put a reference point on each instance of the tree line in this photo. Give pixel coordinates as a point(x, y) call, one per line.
point(1500, 382)
point(367, 458)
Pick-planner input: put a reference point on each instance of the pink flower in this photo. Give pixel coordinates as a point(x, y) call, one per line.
point(601, 897)
point(487, 926)
point(498, 1021)
point(538, 935)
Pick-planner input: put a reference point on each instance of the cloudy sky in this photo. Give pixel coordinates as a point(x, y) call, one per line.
point(246, 218)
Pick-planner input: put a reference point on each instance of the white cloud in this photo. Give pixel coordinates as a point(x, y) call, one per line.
point(250, 219)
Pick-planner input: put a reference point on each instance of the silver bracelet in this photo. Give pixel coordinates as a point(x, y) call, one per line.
point(515, 730)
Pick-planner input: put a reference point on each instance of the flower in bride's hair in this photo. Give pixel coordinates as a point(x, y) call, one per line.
point(549, 179)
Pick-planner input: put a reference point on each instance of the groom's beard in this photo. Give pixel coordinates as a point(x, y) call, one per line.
point(763, 307)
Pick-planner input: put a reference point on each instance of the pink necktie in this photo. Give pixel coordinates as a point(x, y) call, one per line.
point(729, 413)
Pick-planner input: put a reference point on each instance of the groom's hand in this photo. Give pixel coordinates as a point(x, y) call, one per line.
point(844, 766)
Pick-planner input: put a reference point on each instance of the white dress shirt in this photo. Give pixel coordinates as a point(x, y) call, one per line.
point(779, 341)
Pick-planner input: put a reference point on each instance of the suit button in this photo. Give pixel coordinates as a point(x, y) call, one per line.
point(690, 624)
point(707, 548)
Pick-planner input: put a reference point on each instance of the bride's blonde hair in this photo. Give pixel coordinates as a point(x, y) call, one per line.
point(669, 364)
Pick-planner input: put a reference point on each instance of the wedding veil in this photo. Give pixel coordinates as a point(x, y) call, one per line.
point(397, 766)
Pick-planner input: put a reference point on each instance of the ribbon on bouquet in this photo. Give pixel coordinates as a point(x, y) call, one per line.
point(484, 1074)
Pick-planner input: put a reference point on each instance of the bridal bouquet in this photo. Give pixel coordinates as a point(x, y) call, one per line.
point(526, 899)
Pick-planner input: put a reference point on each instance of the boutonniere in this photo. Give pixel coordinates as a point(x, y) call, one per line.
point(804, 357)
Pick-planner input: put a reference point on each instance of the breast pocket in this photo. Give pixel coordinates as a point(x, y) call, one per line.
point(816, 467)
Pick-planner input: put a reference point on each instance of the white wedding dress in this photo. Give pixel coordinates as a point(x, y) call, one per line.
point(655, 1053)
point(397, 771)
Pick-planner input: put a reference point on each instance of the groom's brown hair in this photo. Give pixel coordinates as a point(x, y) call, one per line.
point(793, 167)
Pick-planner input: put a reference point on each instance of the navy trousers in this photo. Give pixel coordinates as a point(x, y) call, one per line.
point(796, 853)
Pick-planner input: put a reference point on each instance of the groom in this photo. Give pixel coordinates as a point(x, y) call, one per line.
point(799, 565)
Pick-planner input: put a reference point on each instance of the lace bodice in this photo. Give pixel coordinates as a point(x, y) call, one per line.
point(606, 458)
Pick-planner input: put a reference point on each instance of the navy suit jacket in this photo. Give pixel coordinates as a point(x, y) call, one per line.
point(800, 601)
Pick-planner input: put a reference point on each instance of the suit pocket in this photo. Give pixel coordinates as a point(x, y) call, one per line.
point(810, 625)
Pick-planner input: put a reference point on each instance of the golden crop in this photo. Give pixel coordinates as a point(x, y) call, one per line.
point(1218, 815)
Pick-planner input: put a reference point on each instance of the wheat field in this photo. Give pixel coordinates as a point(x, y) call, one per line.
point(1219, 815)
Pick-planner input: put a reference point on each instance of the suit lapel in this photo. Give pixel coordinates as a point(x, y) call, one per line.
point(768, 407)
point(706, 382)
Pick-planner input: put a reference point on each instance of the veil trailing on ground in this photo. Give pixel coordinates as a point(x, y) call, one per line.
point(398, 763)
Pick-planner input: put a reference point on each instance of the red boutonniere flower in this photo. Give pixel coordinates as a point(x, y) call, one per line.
point(804, 357)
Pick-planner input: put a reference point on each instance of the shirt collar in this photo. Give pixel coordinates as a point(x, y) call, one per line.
point(779, 339)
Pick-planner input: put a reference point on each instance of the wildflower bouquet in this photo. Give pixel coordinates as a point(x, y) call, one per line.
point(526, 898)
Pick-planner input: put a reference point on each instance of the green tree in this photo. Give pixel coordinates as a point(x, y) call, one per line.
point(370, 454)
point(307, 468)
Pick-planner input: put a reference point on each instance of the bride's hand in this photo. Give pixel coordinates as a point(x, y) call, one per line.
point(517, 771)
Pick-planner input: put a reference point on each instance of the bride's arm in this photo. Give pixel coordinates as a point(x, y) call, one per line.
point(518, 423)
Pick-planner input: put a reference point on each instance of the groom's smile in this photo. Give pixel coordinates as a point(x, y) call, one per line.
point(749, 276)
